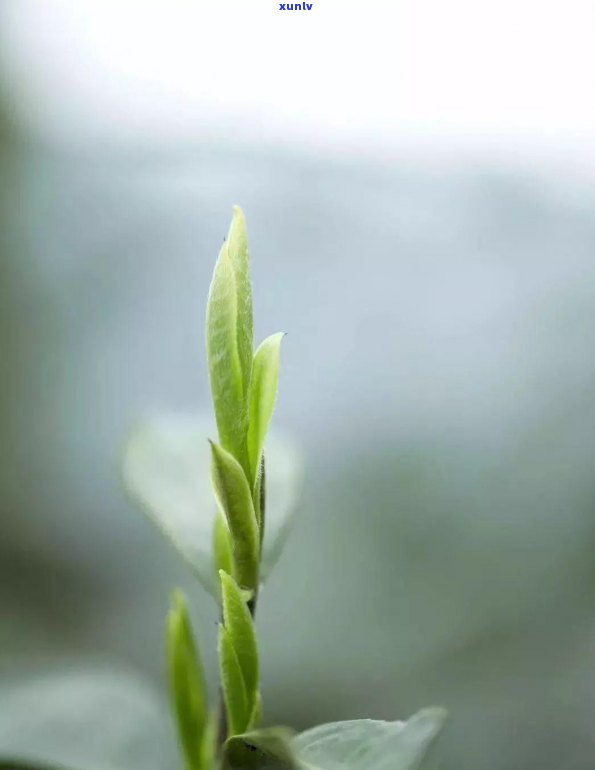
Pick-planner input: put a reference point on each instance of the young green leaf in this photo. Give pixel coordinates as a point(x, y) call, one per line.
point(259, 498)
point(268, 749)
point(229, 340)
point(187, 684)
point(366, 744)
point(262, 397)
point(222, 547)
point(225, 369)
point(256, 717)
point(235, 500)
point(237, 244)
point(240, 629)
point(208, 747)
point(232, 685)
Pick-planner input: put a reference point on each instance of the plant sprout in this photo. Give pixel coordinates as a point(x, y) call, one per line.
point(229, 525)
point(244, 389)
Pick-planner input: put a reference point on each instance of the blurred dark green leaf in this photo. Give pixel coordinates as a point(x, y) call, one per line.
point(86, 719)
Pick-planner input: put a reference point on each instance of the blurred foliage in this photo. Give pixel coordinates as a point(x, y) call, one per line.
point(91, 717)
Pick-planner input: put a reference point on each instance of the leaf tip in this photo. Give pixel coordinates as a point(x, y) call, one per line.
point(177, 599)
point(436, 714)
point(238, 223)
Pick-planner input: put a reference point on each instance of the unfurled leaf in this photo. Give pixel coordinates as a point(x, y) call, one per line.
point(229, 340)
point(240, 631)
point(262, 397)
point(85, 717)
point(284, 471)
point(235, 500)
point(268, 749)
point(367, 744)
point(167, 471)
point(188, 690)
point(232, 685)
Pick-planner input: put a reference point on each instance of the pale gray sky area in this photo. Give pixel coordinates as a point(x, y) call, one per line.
point(375, 76)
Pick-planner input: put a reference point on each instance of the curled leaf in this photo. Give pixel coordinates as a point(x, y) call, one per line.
point(256, 716)
point(235, 500)
point(240, 629)
point(232, 685)
point(222, 548)
point(262, 397)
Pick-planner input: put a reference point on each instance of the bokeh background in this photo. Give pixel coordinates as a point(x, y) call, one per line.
point(419, 182)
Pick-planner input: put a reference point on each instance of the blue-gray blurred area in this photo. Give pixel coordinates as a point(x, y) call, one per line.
point(438, 372)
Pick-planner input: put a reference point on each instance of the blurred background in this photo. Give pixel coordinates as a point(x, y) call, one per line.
point(419, 183)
